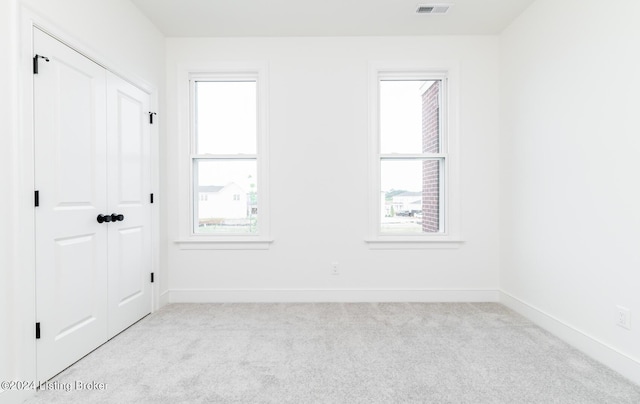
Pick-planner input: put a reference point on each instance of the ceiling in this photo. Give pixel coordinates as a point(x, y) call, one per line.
point(211, 18)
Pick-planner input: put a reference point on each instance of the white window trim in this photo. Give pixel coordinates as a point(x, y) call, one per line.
point(188, 240)
point(450, 237)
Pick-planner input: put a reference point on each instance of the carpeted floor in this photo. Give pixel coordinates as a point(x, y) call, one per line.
point(339, 353)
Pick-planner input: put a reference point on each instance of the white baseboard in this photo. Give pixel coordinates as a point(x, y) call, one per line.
point(328, 295)
point(598, 350)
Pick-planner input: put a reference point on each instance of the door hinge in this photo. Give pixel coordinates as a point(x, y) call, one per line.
point(37, 330)
point(152, 278)
point(36, 198)
point(151, 114)
point(35, 62)
point(151, 198)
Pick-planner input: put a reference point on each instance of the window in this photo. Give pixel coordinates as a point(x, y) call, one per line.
point(227, 158)
point(412, 145)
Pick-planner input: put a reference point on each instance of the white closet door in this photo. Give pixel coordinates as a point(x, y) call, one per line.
point(129, 182)
point(70, 175)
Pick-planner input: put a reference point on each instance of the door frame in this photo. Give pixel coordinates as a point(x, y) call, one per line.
point(25, 296)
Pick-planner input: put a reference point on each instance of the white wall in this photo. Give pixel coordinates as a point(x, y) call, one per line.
point(318, 140)
point(8, 128)
point(112, 32)
point(570, 239)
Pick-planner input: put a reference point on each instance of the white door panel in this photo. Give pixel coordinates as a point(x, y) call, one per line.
point(130, 264)
point(131, 141)
point(77, 133)
point(71, 247)
point(72, 257)
point(129, 180)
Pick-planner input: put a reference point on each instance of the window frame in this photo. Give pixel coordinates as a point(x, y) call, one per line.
point(222, 72)
point(449, 237)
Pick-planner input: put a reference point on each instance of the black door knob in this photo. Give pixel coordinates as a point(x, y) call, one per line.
point(103, 218)
point(116, 217)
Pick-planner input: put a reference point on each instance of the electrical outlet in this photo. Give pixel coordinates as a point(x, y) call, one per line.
point(623, 317)
point(334, 269)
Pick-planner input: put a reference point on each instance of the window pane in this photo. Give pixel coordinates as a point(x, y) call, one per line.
point(225, 196)
point(410, 196)
point(409, 116)
point(226, 114)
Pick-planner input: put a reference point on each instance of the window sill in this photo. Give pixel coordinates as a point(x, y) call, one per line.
point(412, 243)
point(223, 244)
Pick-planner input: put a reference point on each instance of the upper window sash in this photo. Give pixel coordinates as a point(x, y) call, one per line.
point(436, 75)
point(194, 113)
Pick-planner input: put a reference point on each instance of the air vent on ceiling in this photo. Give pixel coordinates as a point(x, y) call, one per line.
point(432, 8)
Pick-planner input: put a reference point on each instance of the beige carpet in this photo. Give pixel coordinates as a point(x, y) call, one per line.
point(338, 353)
